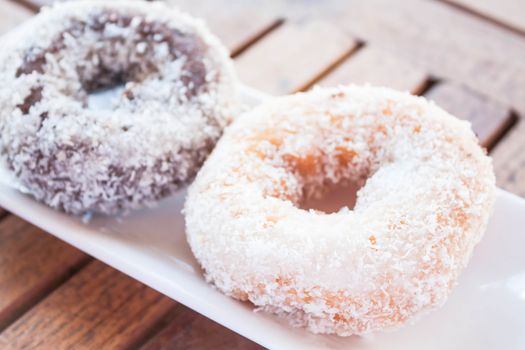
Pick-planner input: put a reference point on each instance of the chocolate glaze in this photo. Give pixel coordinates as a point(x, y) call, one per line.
point(34, 96)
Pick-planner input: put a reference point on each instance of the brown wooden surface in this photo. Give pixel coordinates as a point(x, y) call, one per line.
point(489, 118)
point(473, 50)
point(254, 21)
point(276, 66)
point(509, 160)
point(99, 308)
point(377, 67)
point(32, 263)
point(188, 330)
point(445, 42)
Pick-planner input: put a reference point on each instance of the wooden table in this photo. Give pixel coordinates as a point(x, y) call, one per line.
point(467, 55)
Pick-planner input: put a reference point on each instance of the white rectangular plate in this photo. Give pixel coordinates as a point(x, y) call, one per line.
point(486, 310)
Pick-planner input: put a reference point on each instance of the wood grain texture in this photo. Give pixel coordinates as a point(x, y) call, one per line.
point(507, 12)
point(236, 22)
point(99, 308)
point(509, 160)
point(293, 56)
point(32, 263)
point(489, 118)
point(189, 330)
point(445, 42)
point(11, 14)
point(377, 67)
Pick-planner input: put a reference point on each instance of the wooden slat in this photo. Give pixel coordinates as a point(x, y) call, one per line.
point(99, 308)
point(31, 264)
point(447, 42)
point(293, 56)
point(377, 67)
point(510, 13)
point(189, 330)
point(509, 160)
point(489, 119)
point(11, 14)
point(237, 23)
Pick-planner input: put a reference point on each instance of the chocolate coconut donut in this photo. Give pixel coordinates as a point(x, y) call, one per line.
point(178, 93)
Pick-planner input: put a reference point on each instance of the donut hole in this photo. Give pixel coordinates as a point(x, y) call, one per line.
point(333, 198)
point(327, 181)
point(104, 99)
point(310, 177)
point(105, 84)
point(110, 60)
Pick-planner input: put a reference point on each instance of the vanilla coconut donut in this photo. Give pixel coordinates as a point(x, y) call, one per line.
point(424, 206)
point(179, 91)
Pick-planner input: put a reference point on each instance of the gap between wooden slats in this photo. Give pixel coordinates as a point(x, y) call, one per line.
point(509, 160)
point(374, 66)
point(99, 308)
point(508, 14)
point(490, 119)
point(293, 56)
point(188, 330)
point(443, 41)
point(32, 264)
